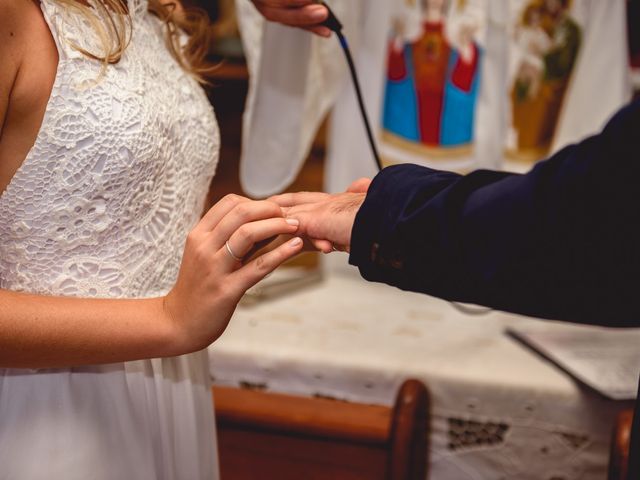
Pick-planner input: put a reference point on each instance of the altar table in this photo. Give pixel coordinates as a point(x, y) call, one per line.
point(499, 411)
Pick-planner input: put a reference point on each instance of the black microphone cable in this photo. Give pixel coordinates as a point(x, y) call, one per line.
point(333, 24)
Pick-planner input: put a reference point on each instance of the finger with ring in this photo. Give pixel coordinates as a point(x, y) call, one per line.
point(230, 252)
point(253, 234)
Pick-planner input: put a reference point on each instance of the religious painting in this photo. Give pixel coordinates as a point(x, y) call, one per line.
point(545, 44)
point(433, 79)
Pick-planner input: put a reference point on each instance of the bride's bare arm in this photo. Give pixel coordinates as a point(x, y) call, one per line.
point(39, 331)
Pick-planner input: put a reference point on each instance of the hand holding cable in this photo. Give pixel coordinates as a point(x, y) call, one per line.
point(305, 14)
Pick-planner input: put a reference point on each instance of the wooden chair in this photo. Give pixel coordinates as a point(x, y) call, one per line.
point(619, 458)
point(271, 436)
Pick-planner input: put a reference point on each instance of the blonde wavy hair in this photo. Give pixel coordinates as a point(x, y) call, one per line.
point(111, 21)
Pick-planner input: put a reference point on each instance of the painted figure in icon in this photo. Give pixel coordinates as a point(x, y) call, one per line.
point(547, 41)
point(432, 79)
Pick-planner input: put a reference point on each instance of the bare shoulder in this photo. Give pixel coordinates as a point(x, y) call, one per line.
point(28, 63)
point(12, 41)
point(16, 18)
point(13, 15)
point(25, 43)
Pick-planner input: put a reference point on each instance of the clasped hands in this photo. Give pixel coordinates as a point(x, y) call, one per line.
point(325, 220)
point(322, 220)
point(238, 242)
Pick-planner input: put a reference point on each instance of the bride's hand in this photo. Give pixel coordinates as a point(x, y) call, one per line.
point(213, 276)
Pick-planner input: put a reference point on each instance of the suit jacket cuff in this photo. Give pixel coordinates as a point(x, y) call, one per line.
point(377, 245)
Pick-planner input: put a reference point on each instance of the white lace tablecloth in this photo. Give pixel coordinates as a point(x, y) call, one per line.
point(499, 411)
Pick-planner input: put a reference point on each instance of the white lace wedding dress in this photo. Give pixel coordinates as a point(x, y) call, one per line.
point(101, 208)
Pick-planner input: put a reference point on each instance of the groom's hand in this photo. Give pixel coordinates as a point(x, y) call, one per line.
point(325, 220)
point(328, 219)
point(304, 14)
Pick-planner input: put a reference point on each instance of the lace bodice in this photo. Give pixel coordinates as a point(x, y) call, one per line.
point(118, 173)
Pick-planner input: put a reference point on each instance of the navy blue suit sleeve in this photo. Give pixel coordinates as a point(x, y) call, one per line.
point(561, 242)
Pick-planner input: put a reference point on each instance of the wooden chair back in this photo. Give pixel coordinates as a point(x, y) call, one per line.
point(619, 458)
point(272, 436)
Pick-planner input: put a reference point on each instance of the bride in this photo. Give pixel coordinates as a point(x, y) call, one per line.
point(111, 286)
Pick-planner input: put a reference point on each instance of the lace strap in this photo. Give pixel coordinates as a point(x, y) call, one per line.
point(70, 30)
point(137, 7)
point(52, 14)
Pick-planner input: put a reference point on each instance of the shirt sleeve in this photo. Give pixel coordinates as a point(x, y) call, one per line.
point(561, 242)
